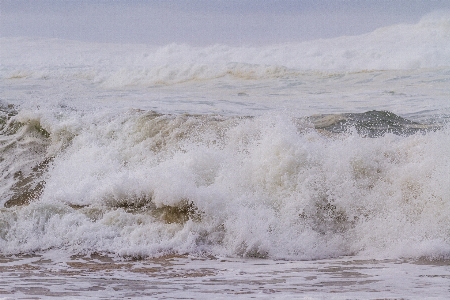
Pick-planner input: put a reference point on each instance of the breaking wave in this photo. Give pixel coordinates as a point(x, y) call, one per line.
point(141, 183)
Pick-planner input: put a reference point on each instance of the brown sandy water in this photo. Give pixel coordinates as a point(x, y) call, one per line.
point(184, 277)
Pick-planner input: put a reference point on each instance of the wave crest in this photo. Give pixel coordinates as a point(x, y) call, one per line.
point(142, 183)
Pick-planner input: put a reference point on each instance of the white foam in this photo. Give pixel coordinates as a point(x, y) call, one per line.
point(267, 185)
point(261, 187)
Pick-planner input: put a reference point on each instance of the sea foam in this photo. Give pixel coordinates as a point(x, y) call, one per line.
point(229, 163)
point(145, 184)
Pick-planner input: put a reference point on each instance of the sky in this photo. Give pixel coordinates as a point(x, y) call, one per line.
point(202, 22)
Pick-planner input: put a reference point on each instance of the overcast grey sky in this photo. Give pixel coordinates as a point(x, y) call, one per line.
point(201, 22)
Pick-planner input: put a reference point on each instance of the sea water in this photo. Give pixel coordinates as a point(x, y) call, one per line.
point(318, 169)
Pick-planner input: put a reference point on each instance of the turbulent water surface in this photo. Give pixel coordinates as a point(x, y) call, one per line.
point(323, 157)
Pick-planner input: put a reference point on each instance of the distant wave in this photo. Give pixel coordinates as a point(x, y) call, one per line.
point(403, 46)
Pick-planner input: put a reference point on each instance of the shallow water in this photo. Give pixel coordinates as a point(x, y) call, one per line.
point(184, 277)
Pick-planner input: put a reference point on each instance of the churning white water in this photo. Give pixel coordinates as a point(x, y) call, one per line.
point(316, 150)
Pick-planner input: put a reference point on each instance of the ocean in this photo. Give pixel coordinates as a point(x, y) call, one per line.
point(313, 170)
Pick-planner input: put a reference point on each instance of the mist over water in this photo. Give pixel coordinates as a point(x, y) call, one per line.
point(202, 23)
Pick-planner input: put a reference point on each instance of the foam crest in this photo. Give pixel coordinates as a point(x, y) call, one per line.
point(141, 183)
